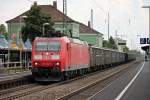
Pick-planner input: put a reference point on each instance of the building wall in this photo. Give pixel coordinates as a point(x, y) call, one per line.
point(13, 28)
point(121, 47)
point(100, 40)
point(91, 38)
point(73, 27)
point(121, 44)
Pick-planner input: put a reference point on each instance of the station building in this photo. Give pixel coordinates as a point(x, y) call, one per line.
point(121, 44)
point(79, 30)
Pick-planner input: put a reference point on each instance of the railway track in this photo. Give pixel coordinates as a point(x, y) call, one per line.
point(18, 92)
point(26, 91)
point(91, 88)
point(22, 91)
point(11, 90)
point(12, 81)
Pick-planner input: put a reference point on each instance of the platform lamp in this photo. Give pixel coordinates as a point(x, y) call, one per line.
point(149, 27)
point(20, 36)
point(44, 24)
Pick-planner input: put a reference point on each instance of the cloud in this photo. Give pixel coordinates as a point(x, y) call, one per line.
point(120, 13)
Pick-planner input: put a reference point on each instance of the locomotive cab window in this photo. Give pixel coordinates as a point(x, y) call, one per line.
point(41, 46)
point(54, 46)
point(48, 46)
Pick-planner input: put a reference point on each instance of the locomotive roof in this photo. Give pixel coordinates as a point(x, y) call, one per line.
point(72, 40)
point(51, 38)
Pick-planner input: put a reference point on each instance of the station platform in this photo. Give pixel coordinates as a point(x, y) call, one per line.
point(14, 76)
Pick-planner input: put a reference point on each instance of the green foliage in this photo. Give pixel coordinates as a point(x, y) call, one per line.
point(34, 23)
point(110, 44)
point(126, 49)
point(105, 43)
point(3, 30)
point(133, 51)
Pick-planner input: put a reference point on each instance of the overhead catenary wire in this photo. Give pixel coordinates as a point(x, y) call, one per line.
point(108, 16)
point(99, 6)
point(30, 1)
point(112, 18)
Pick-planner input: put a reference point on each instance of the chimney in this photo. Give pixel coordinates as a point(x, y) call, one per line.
point(89, 24)
point(55, 4)
point(35, 2)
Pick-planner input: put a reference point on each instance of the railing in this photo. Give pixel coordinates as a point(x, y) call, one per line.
point(13, 67)
point(15, 64)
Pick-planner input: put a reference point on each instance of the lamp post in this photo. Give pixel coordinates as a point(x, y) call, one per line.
point(138, 37)
point(149, 26)
point(20, 36)
point(44, 24)
point(20, 24)
point(9, 34)
point(138, 45)
point(108, 26)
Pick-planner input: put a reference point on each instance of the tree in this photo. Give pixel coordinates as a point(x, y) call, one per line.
point(105, 43)
point(110, 44)
point(3, 30)
point(34, 23)
point(126, 49)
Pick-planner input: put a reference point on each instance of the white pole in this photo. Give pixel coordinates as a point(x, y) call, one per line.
point(149, 32)
point(20, 36)
point(44, 24)
point(43, 29)
point(9, 45)
point(108, 25)
point(20, 44)
point(149, 29)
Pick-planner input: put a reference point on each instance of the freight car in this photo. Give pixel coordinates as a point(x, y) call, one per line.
point(101, 58)
point(54, 59)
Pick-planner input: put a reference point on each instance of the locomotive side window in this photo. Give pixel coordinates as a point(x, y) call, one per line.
point(41, 46)
point(53, 46)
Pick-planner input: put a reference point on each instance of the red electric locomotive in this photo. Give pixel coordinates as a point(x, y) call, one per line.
point(56, 58)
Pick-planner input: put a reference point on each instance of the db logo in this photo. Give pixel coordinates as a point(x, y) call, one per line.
point(142, 40)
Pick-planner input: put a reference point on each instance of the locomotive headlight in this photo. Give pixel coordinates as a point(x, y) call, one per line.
point(55, 57)
point(57, 63)
point(35, 63)
point(37, 57)
point(47, 53)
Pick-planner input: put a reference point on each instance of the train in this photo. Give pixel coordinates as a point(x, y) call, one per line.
point(59, 58)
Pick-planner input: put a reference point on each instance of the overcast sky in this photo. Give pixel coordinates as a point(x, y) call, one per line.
point(126, 16)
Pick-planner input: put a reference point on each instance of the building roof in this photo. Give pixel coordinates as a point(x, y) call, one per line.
point(57, 16)
point(86, 29)
point(145, 48)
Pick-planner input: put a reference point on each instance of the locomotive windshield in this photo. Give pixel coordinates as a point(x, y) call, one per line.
point(53, 46)
point(41, 46)
point(48, 46)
